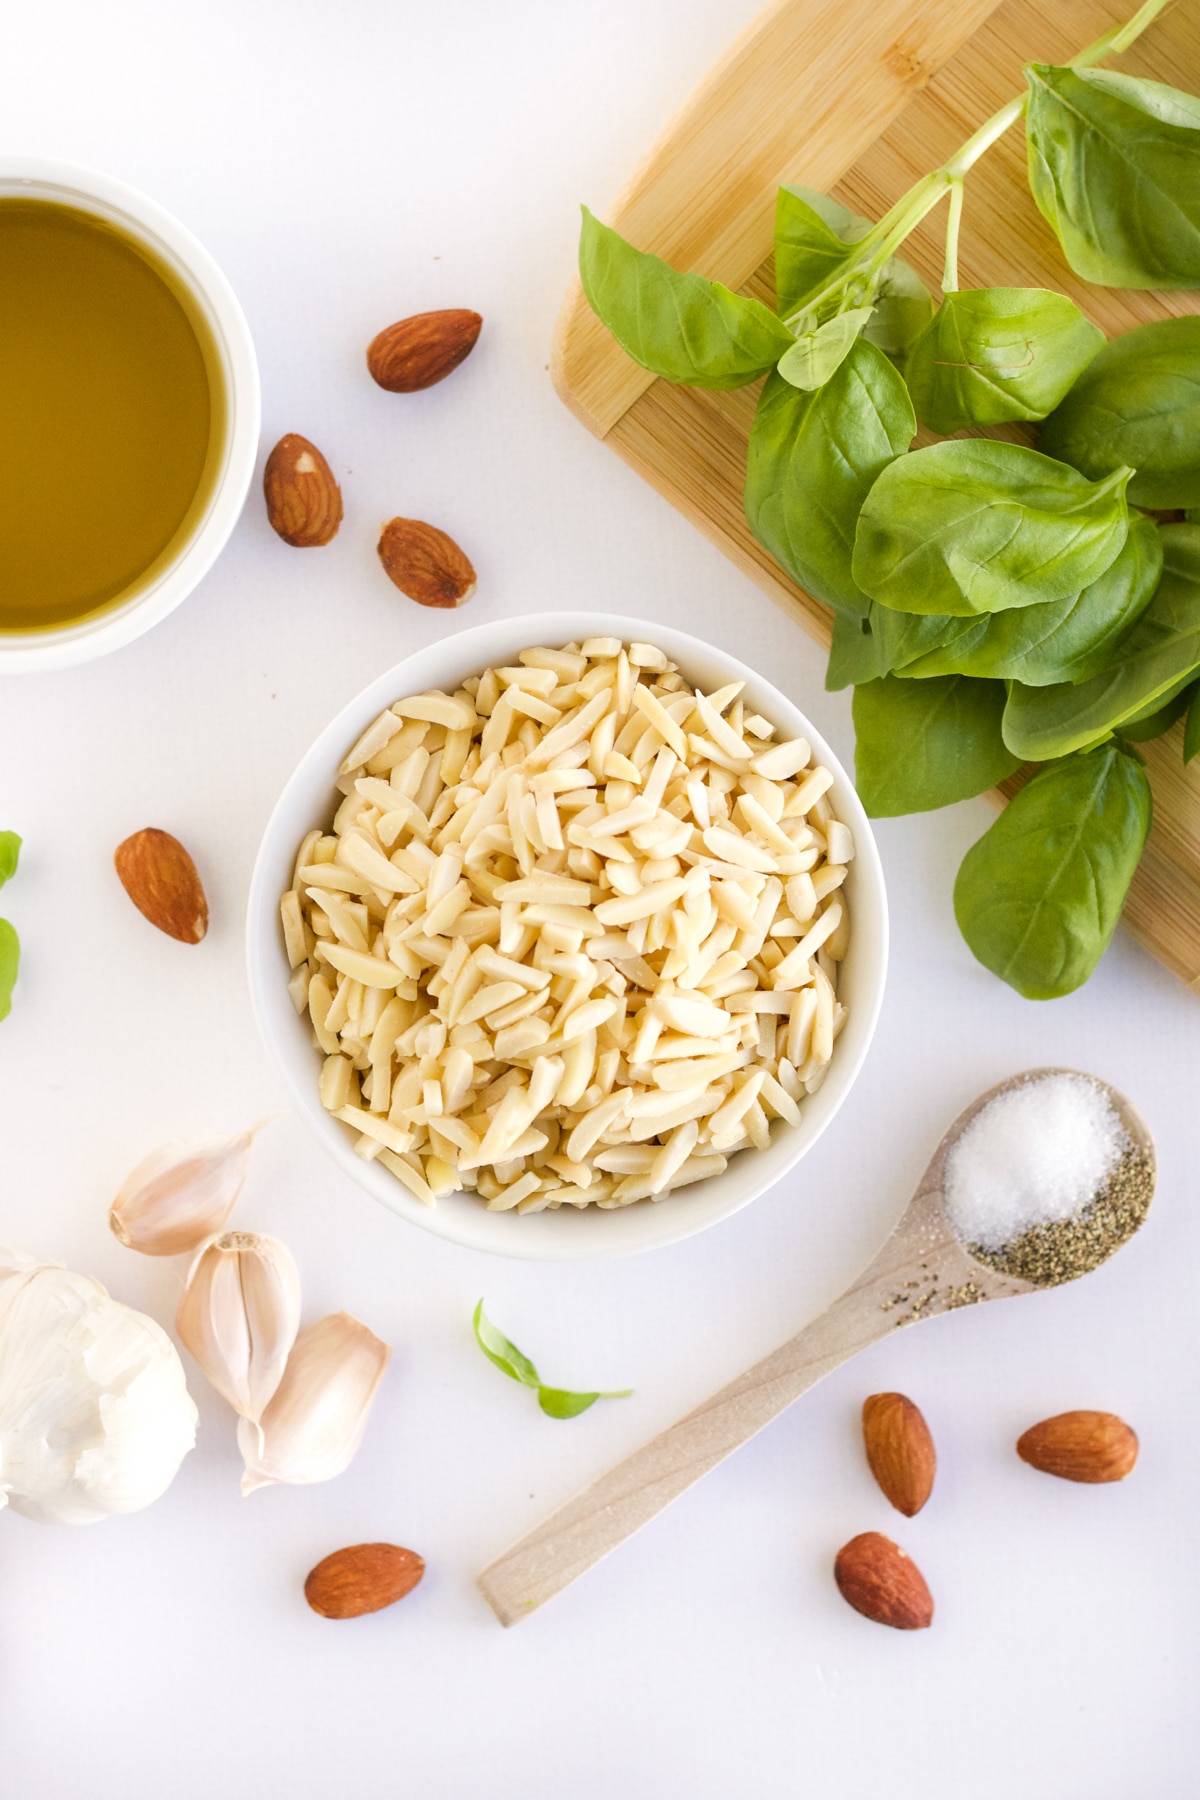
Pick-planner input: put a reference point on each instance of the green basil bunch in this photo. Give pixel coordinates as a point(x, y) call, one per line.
point(993, 604)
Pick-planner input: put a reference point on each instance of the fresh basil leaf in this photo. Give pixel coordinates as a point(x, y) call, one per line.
point(812, 460)
point(497, 1348)
point(1114, 166)
point(1059, 640)
point(994, 354)
point(1191, 730)
point(921, 744)
point(10, 963)
point(561, 1404)
point(1155, 661)
point(1039, 896)
point(1137, 402)
point(813, 238)
point(974, 526)
point(558, 1403)
point(1146, 726)
point(10, 851)
point(816, 354)
point(682, 327)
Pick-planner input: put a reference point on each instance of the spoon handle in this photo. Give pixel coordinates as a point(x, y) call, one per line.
point(913, 1276)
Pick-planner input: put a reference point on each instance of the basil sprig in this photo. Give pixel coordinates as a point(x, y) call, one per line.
point(993, 603)
point(559, 1403)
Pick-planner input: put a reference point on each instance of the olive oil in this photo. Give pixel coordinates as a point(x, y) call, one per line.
point(112, 415)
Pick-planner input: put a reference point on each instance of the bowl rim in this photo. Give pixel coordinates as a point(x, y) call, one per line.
point(467, 1223)
point(107, 197)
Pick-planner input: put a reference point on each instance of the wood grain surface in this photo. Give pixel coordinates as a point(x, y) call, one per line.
point(859, 98)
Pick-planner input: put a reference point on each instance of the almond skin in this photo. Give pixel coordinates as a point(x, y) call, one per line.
point(304, 502)
point(362, 1579)
point(160, 878)
point(880, 1581)
point(1081, 1446)
point(418, 352)
point(425, 564)
point(900, 1450)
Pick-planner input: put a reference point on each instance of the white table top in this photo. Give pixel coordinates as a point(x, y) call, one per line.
point(348, 166)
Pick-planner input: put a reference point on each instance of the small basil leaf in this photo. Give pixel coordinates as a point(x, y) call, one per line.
point(682, 327)
point(1155, 661)
point(10, 962)
point(1191, 730)
point(974, 526)
point(10, 851)
point(1137, 402)
point(1058, 640)
point(921, 744)
point(1114, 166)
point(559, 1403)
point(1146, 726)
point(497, 1348)
point(811, 463)
point(815, 355)
point(1039, 896)
point(990, 355)
point(903, 308)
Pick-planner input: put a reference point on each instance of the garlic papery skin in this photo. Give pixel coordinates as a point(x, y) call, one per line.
point(239, 1315)
point(315, 1422)
point(95, 1416)
point(177, 1198)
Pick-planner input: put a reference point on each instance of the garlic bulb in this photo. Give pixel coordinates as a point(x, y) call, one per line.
point(175, 1199)
point(315, 1421)
point(95, 1416)
point(239, 1315)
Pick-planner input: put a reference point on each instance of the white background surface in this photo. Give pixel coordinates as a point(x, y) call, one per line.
point(347, 166)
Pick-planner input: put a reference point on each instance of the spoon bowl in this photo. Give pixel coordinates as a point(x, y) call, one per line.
point(923, 1269)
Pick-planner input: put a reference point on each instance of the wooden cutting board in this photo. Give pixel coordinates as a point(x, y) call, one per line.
point(858, 98)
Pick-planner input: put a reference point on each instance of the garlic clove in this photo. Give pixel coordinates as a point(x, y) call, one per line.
point(315, 1422)
point(239, 1314)
point(175, 1199)
point(95, 1416)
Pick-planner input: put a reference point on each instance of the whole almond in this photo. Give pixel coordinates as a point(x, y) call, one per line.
point(425, 564)
point(1081, 1446)
point(880, 1581)
point(418, 352)
point(160, 878)
point(899, 1450)
point(362, 1579)
point(304, 502)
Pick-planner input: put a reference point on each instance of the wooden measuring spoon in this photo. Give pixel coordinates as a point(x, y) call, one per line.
point(922, 1270)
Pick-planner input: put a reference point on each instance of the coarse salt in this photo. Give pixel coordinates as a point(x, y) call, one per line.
point(1035, 1155)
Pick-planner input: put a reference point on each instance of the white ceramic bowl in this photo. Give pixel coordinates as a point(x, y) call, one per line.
point(188, 559)
point(310, 799)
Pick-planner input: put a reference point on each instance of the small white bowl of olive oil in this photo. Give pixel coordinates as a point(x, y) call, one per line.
point(131, 412)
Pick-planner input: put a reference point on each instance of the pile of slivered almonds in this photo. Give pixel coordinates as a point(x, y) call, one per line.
point(575, 934)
